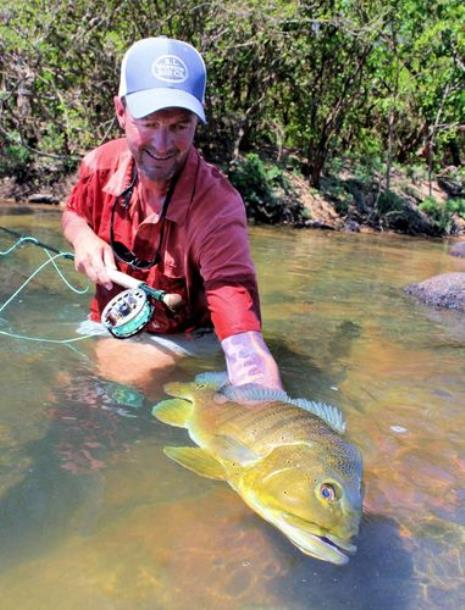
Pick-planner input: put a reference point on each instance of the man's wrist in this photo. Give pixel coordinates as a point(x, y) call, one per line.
point(248, 360)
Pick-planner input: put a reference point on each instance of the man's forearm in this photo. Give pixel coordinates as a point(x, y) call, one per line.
point(74, 226)
point(92, 255)
point(249, 360)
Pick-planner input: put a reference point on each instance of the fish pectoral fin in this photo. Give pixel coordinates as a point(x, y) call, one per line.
point(197, 460)
point(233, 450)
point(173, 411)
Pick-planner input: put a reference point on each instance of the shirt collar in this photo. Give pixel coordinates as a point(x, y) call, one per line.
point(121, 178)
point(183, 191)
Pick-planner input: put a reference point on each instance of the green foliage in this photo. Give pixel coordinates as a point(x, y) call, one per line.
point(416, 173)
point(431, 207)
point(14, 161)
point(456, 206)
point(377, 81)
point(368, 167)
point(441, 213)
point(389, 202)
point(266, 191)
point(341, 198)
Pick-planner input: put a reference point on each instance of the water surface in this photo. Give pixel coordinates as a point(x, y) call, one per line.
point(92, 515)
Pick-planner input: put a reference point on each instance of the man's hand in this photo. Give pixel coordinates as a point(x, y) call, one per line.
point(92, 255)
point(249, 360)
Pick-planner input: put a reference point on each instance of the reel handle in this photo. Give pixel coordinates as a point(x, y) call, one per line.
point(171, 300)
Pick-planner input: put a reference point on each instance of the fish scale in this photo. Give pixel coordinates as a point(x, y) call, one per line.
point(249, 425)
point(296, 422)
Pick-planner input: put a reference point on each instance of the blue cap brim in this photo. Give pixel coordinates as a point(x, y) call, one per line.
point(143, 103)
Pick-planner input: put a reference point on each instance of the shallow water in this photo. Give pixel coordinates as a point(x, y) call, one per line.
point(93, 516)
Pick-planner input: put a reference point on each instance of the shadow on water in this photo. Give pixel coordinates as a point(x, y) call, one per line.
point(378, 576)
point(36, 513)
point(92, 422)
point(301, 374)
point(55, 521)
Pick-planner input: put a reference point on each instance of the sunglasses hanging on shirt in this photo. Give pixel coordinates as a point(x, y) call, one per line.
point(121, 250)
point(130, 311)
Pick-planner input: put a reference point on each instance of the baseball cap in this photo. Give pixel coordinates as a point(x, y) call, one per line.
point(162, 72)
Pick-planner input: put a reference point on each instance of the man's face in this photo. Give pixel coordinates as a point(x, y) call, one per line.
point(159, 142)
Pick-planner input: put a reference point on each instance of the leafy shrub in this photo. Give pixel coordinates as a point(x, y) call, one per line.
point(416, 173)
point(267, 193)
point(367, 167)
point(440, 214)
point(431, 207)
point(456, 206)
point(398, 214)
point(338, 194)
point(389, 202)
point(14, 160)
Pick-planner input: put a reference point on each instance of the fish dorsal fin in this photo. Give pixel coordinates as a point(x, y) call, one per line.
point(329, 414)
point(173, 411)
point(197, 460)
point(213, 380)
point(252, 392)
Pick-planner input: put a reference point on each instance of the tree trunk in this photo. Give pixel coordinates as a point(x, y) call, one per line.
point(389, 149)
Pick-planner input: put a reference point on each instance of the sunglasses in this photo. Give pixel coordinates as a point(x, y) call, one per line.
point(121, 250)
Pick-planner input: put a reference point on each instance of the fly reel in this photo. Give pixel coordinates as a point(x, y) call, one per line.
point(127, 313)
point(131, 310)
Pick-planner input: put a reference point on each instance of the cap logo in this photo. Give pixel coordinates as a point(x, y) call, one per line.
point(170, 68)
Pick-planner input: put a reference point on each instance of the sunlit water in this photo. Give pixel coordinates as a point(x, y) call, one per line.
point(94, 516)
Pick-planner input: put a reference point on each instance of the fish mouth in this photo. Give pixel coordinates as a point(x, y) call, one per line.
point(326, 547)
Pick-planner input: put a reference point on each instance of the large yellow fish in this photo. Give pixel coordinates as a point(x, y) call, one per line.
point(287, 459)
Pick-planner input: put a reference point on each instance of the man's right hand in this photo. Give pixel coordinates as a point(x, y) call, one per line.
point(92, 255)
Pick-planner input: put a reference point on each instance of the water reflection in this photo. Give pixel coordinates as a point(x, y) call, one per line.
point(205, 549)
point(94, 514)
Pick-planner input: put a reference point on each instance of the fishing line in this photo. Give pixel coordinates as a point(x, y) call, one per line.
point(22, 239)
point(127, 314)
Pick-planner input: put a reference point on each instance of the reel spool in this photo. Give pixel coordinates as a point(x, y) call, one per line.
point(127, 313)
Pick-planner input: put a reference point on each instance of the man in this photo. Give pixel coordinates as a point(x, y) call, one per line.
point(150, 206)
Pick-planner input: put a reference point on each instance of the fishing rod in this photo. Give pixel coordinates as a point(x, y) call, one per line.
point(129, 311)
point(36, 242)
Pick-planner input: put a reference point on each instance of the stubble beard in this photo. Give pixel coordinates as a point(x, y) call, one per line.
point(161, 174)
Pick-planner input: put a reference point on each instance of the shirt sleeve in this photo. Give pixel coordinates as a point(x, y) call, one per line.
point(86, 197)
point(78, 199)
point(229, 277)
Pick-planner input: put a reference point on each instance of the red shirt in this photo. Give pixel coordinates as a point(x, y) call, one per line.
point(205, 252)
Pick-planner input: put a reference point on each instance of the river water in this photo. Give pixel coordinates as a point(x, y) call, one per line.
point(94, 516)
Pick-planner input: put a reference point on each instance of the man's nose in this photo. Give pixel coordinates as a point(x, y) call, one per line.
point(162, 140)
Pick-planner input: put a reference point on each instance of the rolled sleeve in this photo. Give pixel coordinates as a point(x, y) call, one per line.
point(234, 306)
point(229, 276)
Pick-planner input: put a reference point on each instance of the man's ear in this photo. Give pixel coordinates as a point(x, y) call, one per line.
point(120, 111)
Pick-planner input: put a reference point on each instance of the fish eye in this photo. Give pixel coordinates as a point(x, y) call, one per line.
point(328, 492)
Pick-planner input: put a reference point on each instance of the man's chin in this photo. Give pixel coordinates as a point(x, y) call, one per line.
point(159, 174)
point(162, 171)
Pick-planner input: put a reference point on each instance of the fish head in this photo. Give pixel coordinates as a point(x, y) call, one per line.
point(204, 387)
point(313, 495)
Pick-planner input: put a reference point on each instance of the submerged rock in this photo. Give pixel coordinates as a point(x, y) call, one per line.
point(43, 198)
point(351, 226)
point(444, 290)
point(458, 249)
